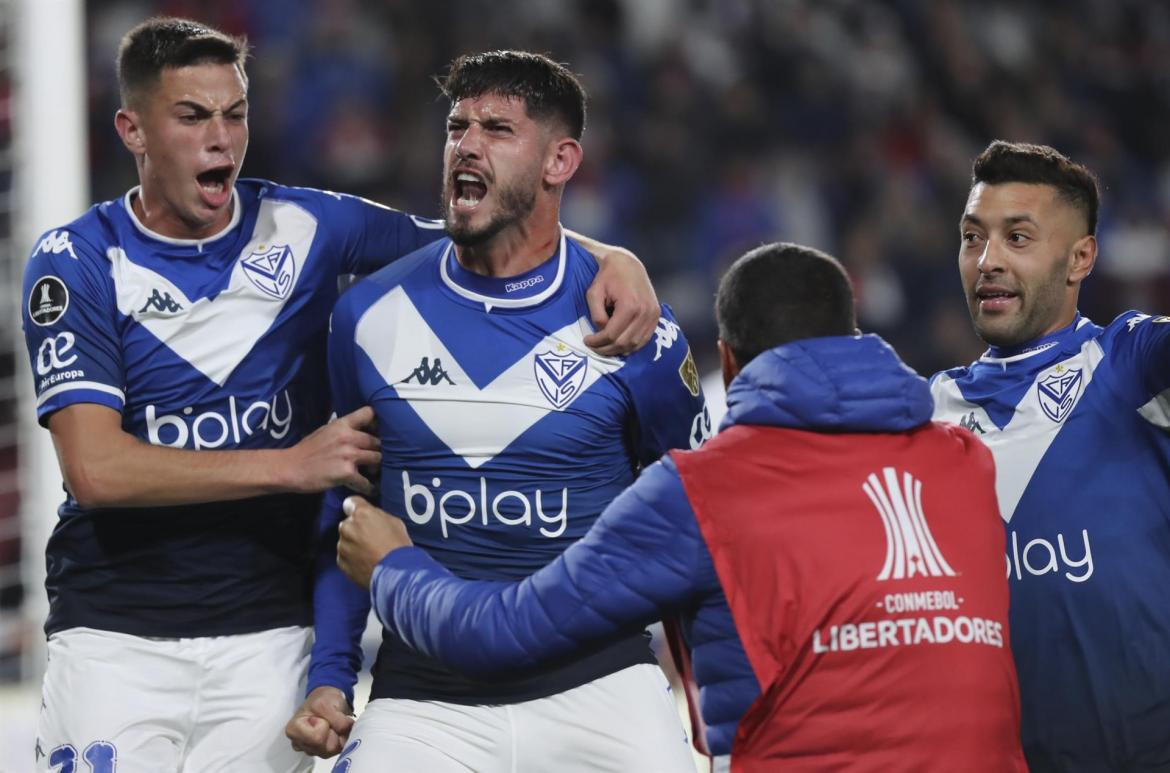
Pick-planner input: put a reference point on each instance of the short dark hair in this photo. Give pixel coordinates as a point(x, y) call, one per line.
point(168, 41)
point(548, 88)
point(779, 293)
point(1021, 162)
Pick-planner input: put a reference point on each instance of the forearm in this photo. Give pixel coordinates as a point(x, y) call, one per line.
point(340, 609)
point(105, 466)
point(474, 627)
point(122, 471)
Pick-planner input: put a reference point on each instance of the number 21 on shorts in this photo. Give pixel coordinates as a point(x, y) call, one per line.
point(99, 757)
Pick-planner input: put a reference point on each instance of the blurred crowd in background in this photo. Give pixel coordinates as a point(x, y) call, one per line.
point(714, 125)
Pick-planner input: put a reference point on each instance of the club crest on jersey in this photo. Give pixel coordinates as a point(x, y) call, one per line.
point(272, 269)
point(560, 374)
point(910, 547)
point(1058, 392)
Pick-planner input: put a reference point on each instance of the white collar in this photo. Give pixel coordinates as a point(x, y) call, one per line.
point(128, 199)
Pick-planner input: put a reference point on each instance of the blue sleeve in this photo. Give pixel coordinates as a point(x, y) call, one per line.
point(643, 556)
point(340, 607)
point(340, 610)
point(376, 235)
point(1147, 347)
point(69, 318)
point(663, 383)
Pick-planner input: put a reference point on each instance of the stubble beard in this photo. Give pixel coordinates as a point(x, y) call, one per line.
point(1031, 322)
point(515, 203)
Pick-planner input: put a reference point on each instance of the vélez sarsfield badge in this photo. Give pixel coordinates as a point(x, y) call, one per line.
point(560, 375)
point(1058, 392)
point(272, 269)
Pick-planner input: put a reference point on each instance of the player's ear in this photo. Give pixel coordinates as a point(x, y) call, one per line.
point(1084, 257)
point(727, 363)
point(128, 124)
point(561, 163)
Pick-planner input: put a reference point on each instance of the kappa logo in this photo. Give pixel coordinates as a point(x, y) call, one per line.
point(1136, 320)
point(971, 424)
point(48, 301)
point(665, 334)
point(1058, 392)
point(54, 243)
point(560, 374)
point(910, 547)
point(523, 284)
point(272, 269)
point(161, 302)
point(429, 374)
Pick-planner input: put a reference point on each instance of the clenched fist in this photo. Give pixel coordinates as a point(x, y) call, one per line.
point(366, 535)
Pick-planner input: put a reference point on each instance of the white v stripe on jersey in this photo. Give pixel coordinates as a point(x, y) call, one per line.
point(215, 335)
point(1032, 432)
point(910, 547)
point(455, 411)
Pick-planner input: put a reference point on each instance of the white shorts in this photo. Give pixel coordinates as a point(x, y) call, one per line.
point(115, 703)
point(623, 722)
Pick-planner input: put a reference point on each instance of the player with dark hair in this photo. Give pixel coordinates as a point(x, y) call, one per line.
point(833, 556)
point(501, 457)
point(177, 338)
point(1076, 415)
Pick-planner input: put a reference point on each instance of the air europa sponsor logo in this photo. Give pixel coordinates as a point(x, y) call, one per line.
point(212, 429)
point(508, 507)
point(1039, 556)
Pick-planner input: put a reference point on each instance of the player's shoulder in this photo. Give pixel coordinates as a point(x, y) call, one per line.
point(417, 271)
point(1131, 326)
point(667, 356)
point(943, 377)
point(315, 199)
point(75, 255)
point(580, 260)
point(253, 188)
point(320, 203)
point(83, 238)
point(668, 343)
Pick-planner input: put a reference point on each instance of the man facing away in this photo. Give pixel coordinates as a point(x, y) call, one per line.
point(833, 556)
point(177, 338)
point(1076, 415)
point(502, 440)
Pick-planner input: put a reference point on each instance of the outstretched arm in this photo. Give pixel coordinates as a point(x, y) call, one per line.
point(642, 556)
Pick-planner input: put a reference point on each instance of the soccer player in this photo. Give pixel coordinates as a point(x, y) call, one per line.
point(1076, 416)
point(834, 555)
point(503, 437)
point(177, 338)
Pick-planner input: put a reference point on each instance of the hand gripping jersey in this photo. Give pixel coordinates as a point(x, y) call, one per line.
point(210, 344)
point(503, 438)
point(834, 557)
point(1078, 422)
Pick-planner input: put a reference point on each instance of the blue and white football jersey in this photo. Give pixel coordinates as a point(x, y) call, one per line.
point(1077, 423)
point(210, 344)
point(503, 435)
